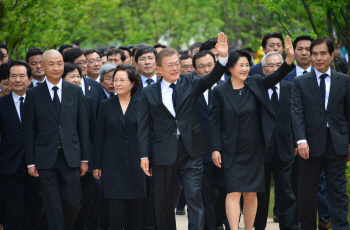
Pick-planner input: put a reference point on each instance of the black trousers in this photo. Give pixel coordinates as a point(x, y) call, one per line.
point(86, 201)
point(61, 191)
point(190, 172)
point(309, 173)
point(284, 196)
point(125, 214)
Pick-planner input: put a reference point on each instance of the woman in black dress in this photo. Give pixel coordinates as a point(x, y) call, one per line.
point(116, 155)
point(242, 121)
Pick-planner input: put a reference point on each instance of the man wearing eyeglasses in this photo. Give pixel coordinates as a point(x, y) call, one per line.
point(94, 64)
point(278, 160)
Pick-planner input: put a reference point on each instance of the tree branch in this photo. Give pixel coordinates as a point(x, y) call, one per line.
point(336, 56)
point(14, 6)
point(340, 28)
point(279, 19)
point(307, 8)
point(329, 24)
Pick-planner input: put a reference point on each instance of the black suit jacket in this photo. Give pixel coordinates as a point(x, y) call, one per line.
point(116, 150)
point(157, 126)
point(204, 118)
point(94, 90)
point(91, 114)
point(256, 69)
point(44, 129)
point(283, 127)
point(11, 147)
point(140, 88)
point(224, 131)
point(310, 117)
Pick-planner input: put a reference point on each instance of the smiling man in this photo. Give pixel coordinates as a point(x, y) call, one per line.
point(93, 65)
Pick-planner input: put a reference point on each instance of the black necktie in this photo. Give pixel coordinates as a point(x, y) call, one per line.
point(149, 81)
point(274, 99)
point(323, 86)
point(305, 72)
point(21, 107)
point(173, 86)
point(210, 96)
point(56, 100)
point(111, 95)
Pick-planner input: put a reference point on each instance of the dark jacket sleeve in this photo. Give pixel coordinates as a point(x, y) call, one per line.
point(347, 106)
point(144, 131)
point(99, 137)
point(298, 112)
point(215, 121)
point(29, 126)
point(83, 129)
point(277, 76)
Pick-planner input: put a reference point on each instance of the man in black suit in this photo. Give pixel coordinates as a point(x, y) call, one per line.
point(21, 193)
point(213, 177)
point(279, 158)
point(321, 123)
point(271, 42)
point(35, 60)
point(90, 87)
point(171, 137)
point(56, 141)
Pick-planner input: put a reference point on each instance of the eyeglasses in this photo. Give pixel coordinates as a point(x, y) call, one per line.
point(171, 65)
point(121, 81)
point(187, 66)
point(273, 66)
point(210, 65)
point(81, 63)
point(92, 61)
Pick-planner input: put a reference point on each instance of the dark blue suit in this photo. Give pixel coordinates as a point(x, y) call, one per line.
point(256, 69)
point(290, 77)
point(94, 90)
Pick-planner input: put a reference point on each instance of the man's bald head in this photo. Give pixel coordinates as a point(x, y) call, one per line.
point(53, 66)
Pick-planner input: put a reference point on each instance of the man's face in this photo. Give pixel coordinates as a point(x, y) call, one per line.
point(186, 66)
point(82, 63)
point(272, 64)
point(195, 50)
point(5, 87)
point(107, 82)
point(216, 54)
point(115, 59)
point(273, 44)
point(94, 64)
point(170, 69)
point(35, 63)
point(53, 67)
point(6, 55)
point(204, 65)
point(19, 80)
point(128, 59)
point(321, 58)
point(147, 64)
point(302, 53)
point(104, 60)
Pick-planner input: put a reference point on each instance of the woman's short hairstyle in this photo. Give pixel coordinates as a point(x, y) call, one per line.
point(69, 67)
point(133, 75)
point(234, 56)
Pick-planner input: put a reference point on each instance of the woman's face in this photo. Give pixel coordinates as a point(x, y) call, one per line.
point(122, 84)
point(73, 77)
point(5, 87)
point(241, 69)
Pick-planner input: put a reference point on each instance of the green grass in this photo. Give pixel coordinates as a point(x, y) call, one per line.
point(272, 201)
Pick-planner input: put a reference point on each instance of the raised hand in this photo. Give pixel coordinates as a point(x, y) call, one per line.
point(221, 46)
point(288, 46)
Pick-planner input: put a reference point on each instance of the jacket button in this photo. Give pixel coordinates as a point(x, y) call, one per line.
point(58, 141)
point(126, 152)
point(126, 142)
point(127, 162)
point(59, 127)
point(174, 134)
point(175, 120)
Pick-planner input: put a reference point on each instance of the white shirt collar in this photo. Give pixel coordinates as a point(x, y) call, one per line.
point(277, 85)
point(166, 84)
point(318, 73)
point(17, 97)
point(34, 81)
point(300, 71)
point(50, 85)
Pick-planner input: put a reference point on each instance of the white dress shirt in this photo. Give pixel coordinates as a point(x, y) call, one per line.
point(108, 94)
point(82, 85)
point(17, 101)
point(34, 81)
point(300, 71)
point(327, 81)
point(270, 91)
point(206, 93)
point(144, 80)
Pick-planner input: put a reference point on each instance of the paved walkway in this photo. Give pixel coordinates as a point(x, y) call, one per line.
point(181, 223)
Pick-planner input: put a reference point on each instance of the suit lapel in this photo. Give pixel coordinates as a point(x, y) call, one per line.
point(264, 99)
point(313, 85)
point(65, 98)
point(202, 102)
point(47, 98)
point(10, 106)
point(334, 88)
point(157, 93)
point(131, 107)
point(228, 90)
point(118, 109)
point(179, 91)
point(282, 99)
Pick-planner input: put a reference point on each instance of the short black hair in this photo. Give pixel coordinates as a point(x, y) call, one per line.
point(133, 75)
point(197, 44)
point(63, 47)
point(116, 51)
point(90, 51)
point(250, 50)
point(1, 56)
point(209, 44)
point(126, 49)
point(21, 63)
point(4, 71)
point(185, 56)
point(72, 54)
point(130, 47)
point(158, 45)
point(201, 54)
point(69, 67)
point(2, 45)
point(144, 51)
point(321, 40)
point(301, 38)
point(138, 47)
point(33, 52)
point(234, 56)
point(271, 35)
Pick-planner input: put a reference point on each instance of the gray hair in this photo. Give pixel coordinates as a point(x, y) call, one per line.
point(263, 61)
point(105, 69)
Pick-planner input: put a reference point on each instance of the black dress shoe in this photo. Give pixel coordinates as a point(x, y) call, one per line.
point(180, 211)
point(275, 219)
point(324, 224)
point(296, 226)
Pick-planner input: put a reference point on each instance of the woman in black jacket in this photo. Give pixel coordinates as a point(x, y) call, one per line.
point(116, 155)
point(242, 122)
